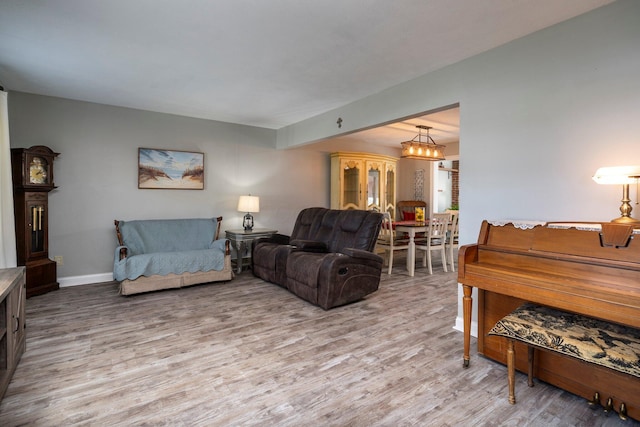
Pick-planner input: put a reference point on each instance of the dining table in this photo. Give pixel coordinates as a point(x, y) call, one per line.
point(411, 228)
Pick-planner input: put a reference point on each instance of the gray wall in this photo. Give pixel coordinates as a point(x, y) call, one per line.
point(96, 173)
point(538, 117)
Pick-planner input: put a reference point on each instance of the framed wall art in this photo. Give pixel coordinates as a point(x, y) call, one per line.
point(170, 169)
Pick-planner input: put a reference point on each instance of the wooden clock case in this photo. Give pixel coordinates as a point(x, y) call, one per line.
point(32, 171)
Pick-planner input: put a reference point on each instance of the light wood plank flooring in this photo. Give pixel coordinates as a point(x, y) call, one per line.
point(250, 353)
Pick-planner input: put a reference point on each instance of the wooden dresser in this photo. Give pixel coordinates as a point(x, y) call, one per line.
point(12, 323)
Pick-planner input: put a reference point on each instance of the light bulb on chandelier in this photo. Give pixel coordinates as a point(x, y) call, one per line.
point(427, 150)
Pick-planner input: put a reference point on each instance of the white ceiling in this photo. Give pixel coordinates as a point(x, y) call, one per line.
point(445, 126)
point(267, 63)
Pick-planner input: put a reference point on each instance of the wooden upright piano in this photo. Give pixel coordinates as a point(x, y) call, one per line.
point(587, 268)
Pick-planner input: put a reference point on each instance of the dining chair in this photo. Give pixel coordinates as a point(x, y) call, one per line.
point(387, 241)
point(407, 209)
point(435, 240)
point(452, 237)
point(407, 212)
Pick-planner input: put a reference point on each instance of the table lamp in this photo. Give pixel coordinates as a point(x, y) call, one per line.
point(248, 204)
point(624, 175)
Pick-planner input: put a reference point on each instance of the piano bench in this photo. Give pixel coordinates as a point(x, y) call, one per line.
point(592, 340)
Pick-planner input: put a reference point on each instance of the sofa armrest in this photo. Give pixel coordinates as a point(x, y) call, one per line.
point(360, 254)
point(310, 246)
point(222, 244)
point(279, 239)
point(121, 252)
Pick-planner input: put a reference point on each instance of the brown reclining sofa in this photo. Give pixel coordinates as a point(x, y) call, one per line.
point(328, 260)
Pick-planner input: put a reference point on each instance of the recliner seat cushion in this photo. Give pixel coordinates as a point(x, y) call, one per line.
point(269, 262)
point(269, 258)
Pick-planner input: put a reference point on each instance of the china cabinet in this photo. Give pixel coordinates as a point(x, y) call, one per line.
point(363, 181)
point(32, 171)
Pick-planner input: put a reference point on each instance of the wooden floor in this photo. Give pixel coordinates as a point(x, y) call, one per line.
point(250, 353)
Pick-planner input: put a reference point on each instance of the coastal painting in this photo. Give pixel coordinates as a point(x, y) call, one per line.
point(170, 169)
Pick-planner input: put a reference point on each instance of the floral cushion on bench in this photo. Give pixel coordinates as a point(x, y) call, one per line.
point(595, 341)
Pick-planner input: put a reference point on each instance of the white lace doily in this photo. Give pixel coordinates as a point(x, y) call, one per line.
point(582, 226)
point(577, 226)
point(522, 224)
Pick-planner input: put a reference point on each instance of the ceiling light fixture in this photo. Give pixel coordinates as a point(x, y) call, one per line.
point(427, 150)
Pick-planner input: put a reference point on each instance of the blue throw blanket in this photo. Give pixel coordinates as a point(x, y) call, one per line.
point(160, 247)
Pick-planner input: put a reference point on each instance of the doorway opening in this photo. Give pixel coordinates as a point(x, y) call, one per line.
point(446, 181)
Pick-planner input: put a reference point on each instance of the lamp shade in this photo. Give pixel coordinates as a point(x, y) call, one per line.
point(617, 175)
point(249, 204)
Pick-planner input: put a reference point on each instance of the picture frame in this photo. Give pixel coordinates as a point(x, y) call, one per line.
point(170, 169)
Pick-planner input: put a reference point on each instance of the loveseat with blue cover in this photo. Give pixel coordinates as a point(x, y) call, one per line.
point(170, 253)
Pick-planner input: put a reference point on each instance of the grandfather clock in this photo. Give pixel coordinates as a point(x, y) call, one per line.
point(32, 170)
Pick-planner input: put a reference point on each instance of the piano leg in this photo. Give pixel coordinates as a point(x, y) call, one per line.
point(511, 370)
point(531, 355)
point(466, 307)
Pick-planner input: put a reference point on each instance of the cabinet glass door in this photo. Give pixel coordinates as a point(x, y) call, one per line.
point(351, 185)
point(37, 228)
point(374, 186)
point(390, 193)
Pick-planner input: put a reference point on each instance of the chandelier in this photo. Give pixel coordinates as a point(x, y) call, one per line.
point(427, 150)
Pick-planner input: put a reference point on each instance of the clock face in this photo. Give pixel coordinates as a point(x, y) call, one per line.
point(38, 171)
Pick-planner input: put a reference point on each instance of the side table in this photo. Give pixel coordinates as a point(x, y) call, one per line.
point(241, 242)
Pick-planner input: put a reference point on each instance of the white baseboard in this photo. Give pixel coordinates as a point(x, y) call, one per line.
point(460, 326)
point(85, 280)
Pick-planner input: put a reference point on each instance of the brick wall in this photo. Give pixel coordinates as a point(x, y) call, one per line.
point(455, 182)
